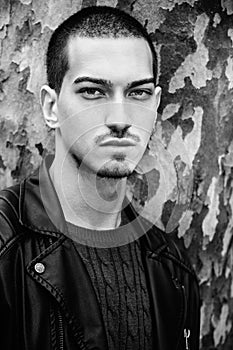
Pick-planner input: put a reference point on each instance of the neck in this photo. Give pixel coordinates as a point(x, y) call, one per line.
point(86, 199)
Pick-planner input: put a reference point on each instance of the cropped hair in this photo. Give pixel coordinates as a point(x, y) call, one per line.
point(91, 22)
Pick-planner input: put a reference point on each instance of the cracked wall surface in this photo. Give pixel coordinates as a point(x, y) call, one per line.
point(187, 181)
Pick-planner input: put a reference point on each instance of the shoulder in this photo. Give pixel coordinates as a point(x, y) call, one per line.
point(9, 216)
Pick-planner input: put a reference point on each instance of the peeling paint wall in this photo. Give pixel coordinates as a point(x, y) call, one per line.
point(188, 182)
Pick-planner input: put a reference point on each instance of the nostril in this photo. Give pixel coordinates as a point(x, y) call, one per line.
point(119, 130)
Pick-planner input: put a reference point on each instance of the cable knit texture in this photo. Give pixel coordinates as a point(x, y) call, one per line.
point(119, 281)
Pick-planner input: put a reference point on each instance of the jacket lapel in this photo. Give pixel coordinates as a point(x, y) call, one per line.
point(167, 294)
point(65, 277)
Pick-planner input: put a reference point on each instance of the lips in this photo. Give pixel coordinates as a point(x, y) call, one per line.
point(116, 142)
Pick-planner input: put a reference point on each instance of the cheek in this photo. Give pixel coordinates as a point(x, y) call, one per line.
point(78, 127)
point(144, 127)
point(142, 117)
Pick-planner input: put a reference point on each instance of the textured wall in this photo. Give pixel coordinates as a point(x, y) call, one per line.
point(189, 165)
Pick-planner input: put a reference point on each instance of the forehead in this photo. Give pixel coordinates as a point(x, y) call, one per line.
point(110, 58)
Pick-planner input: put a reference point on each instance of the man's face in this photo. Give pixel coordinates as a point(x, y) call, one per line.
point(107, 104)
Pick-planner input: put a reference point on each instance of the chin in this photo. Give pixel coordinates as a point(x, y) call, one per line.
point(114, 172)
point(117, 168)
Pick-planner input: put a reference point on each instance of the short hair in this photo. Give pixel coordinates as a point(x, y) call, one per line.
point(91, 22)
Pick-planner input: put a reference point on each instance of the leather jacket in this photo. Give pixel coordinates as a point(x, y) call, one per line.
point(47, 301)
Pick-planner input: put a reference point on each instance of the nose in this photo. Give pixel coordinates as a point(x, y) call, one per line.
point(118, 118)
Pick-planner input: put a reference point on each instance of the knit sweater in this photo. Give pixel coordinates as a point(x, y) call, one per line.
point(118, 278)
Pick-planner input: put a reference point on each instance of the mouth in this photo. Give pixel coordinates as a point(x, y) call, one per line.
point(116, 142)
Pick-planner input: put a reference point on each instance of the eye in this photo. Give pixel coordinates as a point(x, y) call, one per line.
point(140, 94)
point(91, 93)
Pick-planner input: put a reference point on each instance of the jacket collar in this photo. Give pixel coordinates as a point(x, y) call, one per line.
point(40, 208)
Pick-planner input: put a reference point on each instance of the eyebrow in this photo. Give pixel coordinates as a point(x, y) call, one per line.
point(108, 83)
point(141, 82)
point(93, 80)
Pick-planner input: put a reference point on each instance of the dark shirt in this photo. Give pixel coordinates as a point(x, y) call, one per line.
point(118, 278)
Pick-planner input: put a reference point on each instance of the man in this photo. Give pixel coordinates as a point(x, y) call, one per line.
point(79, 269)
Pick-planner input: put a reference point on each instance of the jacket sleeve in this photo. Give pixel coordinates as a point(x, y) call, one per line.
point(8, 235)
point(6, 306)
point(193, 313)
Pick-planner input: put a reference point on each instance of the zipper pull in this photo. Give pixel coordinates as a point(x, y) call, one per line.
point(186, 336)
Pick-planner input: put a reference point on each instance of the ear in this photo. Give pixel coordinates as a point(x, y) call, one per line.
point(157, 93)
point(48, 99)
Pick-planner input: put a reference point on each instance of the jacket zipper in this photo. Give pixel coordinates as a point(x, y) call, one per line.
point(184, 331)
point(186, 336)
point(80, 342)
point(61, 332)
